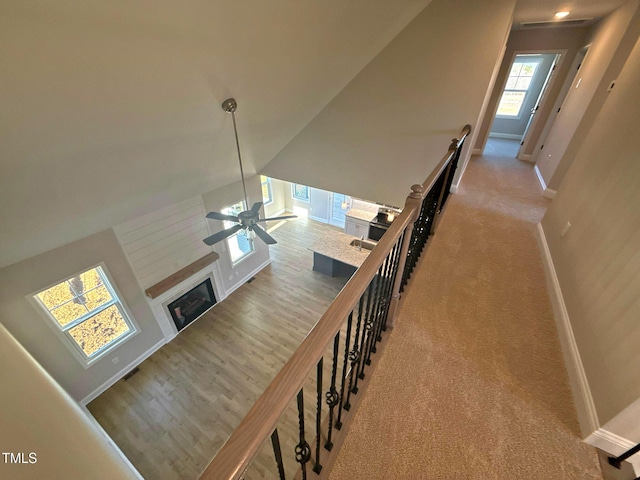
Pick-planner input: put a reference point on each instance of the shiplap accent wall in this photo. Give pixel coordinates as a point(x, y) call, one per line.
point(162, 242)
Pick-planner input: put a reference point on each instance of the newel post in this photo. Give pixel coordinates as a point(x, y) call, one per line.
point(414, 204)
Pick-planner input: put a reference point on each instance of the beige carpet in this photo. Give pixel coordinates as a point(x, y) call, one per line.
point(471, 384)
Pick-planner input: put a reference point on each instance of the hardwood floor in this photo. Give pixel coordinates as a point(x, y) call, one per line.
point(172, 417)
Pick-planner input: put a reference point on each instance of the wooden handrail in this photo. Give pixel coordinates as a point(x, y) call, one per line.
point(261, 420)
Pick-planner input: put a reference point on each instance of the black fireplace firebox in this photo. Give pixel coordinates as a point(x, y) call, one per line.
point(192, 304)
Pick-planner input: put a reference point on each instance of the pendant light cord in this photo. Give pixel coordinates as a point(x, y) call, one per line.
point(244, 188)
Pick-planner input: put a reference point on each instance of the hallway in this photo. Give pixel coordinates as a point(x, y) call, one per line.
point(471, 384)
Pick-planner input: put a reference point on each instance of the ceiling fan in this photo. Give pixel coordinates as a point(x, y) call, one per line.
point(247, 220)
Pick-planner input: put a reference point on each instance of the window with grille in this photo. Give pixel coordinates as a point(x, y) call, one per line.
point(518, 83)
point(87, 310)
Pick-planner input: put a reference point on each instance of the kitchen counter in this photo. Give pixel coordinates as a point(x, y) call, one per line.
point(361, 214)
point(334, 247)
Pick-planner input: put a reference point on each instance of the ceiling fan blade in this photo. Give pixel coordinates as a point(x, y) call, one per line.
point(276, 218)
point(256, 207)
point(264, 236)
point(216, 237)
point(222, 216)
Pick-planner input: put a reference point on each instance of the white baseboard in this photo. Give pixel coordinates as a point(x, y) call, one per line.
point(585, 408)
point(476, 151)
point(506, 136)
point(319, 219)
point(244, 280)
point(540, 179)
point(525, 157)
point(614, 445)
point(453, 189)
point(130, 366)
point(549, 193)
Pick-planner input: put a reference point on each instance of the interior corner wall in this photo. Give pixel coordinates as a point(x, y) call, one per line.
point(233, 276)
point(394, 121)
point(612, 43)
point(279, 200)
point(585, 96)
point(42, 422)
point(534, 40)
point(30, 327)
point(598, 259)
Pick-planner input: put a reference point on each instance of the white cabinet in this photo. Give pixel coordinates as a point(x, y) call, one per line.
point(356, 227)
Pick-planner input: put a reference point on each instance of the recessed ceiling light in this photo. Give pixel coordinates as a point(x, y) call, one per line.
point(562, 14)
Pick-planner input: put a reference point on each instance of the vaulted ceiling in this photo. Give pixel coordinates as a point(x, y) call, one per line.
point(112, 109)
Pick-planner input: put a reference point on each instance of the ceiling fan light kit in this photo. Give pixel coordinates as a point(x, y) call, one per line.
point(247, 220)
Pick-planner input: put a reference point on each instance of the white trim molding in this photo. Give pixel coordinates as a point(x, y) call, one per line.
point(549, 193)
point(614, 445)
point(525, 157)
point(130, 366)
point(506, 136)
point(477, 151)
point(585, 407)
point(234, 287)
point(540, 179)
point(546, 191)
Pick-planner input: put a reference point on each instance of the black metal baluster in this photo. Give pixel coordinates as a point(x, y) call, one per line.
point(317, 466)
point(383, 298)
point(394, 274)
point(332, 395)
point(344, 370)
point(374, 317)
point(275, 441)
point(365, 329)
point(386, 294)
point(368, 325)
point(370, 322)
point(354, 355)
point(302, 450)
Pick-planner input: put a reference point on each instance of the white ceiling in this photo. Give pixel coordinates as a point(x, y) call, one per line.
point(111, 109)
point(544, 10)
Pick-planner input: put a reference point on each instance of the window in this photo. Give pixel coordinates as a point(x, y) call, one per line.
point(267, 191)
point(515, 91)
point(240, 244)
point(300, 192)
point(87, 310)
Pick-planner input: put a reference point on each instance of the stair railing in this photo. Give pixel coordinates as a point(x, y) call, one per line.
point(347, 335)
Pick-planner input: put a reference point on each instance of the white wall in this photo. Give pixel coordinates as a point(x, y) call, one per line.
point(598, 260)
point(393, 123)
point(39, 417)
point(160, 243)
point(553, 161)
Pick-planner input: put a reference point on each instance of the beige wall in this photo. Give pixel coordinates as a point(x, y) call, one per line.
point(39, 417)
point(388, 128)
point(598, 260)
point(583, 104)
point(30, 327)
point(279, 198)
point(539, 39)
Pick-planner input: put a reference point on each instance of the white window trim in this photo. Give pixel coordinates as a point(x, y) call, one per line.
point(527, 92)
point(270, 187)
point(293, 193)
point(235, 263)
point(73, 347)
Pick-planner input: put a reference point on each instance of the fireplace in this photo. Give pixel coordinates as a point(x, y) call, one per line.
point(192, 304)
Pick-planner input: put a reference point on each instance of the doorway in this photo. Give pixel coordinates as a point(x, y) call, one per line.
point(523, 94)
